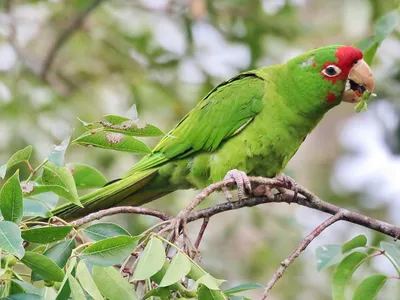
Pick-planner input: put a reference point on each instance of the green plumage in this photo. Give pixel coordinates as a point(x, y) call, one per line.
point(254, 122)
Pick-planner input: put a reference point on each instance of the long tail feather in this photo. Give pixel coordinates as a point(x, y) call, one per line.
point(110, 195)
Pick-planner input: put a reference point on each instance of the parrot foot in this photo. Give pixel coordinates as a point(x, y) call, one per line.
point(289, 183)
point(242, 181)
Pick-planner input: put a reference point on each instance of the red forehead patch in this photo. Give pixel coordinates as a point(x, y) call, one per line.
point(348, 55)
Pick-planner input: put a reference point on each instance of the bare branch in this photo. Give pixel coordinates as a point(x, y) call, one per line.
point(201, 232)
point(300, 248)
point(64, 37)
point(120, 210)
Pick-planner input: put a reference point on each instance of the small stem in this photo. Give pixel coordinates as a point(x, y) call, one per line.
point(34, 171)
point(201, 232)
point(387, 256)
point(300, 248)
point(29, 166)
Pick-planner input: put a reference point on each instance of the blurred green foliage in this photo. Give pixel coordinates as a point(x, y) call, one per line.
point(164, 56)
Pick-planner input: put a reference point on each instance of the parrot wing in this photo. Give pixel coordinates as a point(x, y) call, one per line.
point(224, 112)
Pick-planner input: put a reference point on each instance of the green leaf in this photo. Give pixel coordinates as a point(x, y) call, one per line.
point(112, 285)
point(64, 291)
point(344, 272)
point(179, 267)
point(86, 281)
point(384, 26)
point(151, 260)
point(393, 250)
point(369, 288)
point(10, 239)
point(86, 177)
point(356, 242)
point(327, 256)
point(76, 289)
point(112, 140)
point(33, 208)
point(46, 234)
point(162, 292)
point(57, 155)
point(23, 297)
point(53, 175)
point(209, 281)
point(110, 251)
point(18, 157)
point(11, 203)
point(43, 265)
point(59, 253)
point(243, 287)
point(27, 287)
point(129, 127)
point(101, 231)
point(204, 293)
point(56, 189)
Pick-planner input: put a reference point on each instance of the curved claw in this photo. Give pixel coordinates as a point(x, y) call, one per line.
point(242, 181)
point(288, 183)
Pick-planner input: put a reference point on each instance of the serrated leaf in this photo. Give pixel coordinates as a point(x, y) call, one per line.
point(18, 157)
point(10, 239)
point(178, 268)
point(204, 293)
point(327, 256)
point(151, 260)
point(86, 281)
point(209, 281)
point(112, 285)
point(110, 251)
point(112, 140)
point(131, 127)
point(244, 287)
point(46, 234)
point(43, 265)
point(369, 288)
point(76, 289)
point(356, 242)
point(86, 177)
point(393, 250)
point(344, 272)
point(53, 175)
point(162, 292)
point(101, 231)
point(57, 155)
point(59, 253)
point(11, 203)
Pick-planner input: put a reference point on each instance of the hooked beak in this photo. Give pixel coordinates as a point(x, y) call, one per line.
point(360, 79)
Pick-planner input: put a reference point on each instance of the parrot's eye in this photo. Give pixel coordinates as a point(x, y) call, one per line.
point(331, 70)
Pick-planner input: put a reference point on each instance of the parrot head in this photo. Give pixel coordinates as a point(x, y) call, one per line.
point(324, 77)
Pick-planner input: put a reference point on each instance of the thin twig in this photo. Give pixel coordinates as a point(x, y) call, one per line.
point(64, 37)
point(201, 232)
point(300, 248)
point(120, 210)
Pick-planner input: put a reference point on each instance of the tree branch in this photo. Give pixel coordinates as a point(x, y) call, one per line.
point(300, 248)
point(64, 37)
point(120, 210)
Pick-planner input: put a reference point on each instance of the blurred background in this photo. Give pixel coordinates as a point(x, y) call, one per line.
point(63, 59)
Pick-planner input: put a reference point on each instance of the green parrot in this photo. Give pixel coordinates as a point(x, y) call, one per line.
point(251, 124)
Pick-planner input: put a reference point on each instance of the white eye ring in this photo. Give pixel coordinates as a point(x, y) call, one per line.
point(331, 71)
